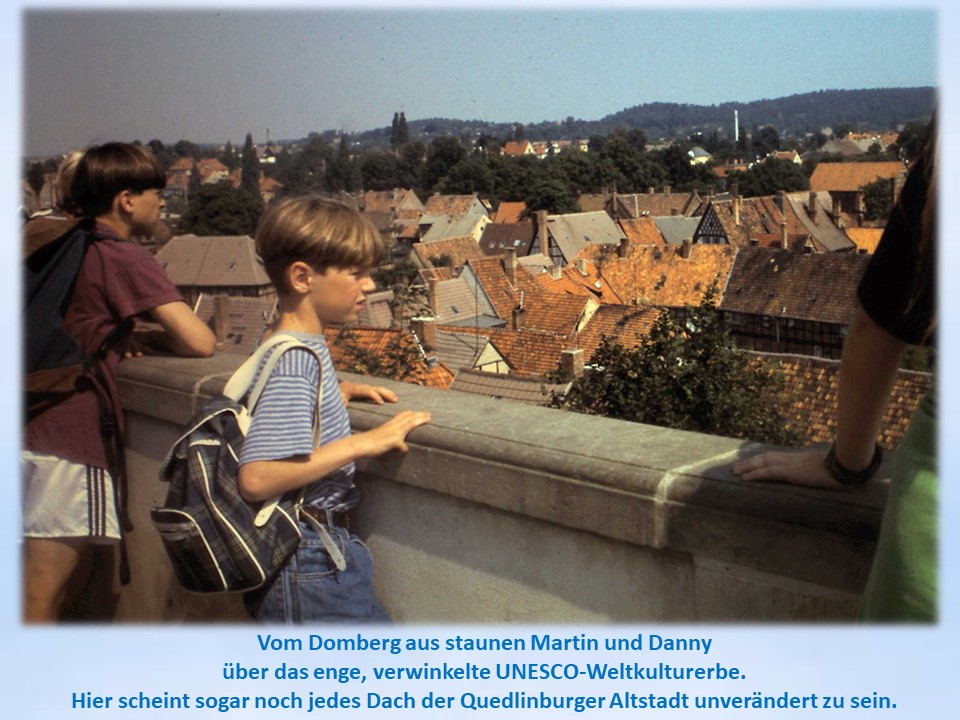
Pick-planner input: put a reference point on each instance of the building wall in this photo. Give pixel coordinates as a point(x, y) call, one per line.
point(507, 512)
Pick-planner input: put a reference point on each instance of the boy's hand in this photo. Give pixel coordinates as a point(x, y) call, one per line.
point(393, 433)
point(355, 391)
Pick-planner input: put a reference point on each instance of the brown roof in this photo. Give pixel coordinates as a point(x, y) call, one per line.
point(457, 249)
point(509, 212)
point(658, 275)
point(527, 389)
point(810, 401)
point(390, 201)
point(500, 236)
point(383, 342)
point(642, 231)
point(212, 261)
point(809, 286)
point(851, 176)
point(247, 318)
point(449, 204)
point(629, 326)
point(653, 204)
point(866, 239)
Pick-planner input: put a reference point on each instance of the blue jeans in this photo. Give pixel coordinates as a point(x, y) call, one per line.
point(310, 588)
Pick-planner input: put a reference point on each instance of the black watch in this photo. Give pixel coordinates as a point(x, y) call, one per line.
point(849, 478)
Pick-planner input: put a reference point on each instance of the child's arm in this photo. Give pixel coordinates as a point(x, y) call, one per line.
point(184, 333)
point(264, 479)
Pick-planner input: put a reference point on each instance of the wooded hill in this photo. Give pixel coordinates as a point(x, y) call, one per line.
point(878, 109)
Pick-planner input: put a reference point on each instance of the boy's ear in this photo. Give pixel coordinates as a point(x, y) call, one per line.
point(123, 201)
point(299, 275)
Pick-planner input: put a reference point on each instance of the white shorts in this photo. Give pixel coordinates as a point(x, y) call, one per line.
point(66, 499)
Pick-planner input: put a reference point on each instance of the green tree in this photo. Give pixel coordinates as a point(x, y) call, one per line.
point(552, 195)
point(185, 148)
point(686, 376)
point(443, 154)
point(221, 210)
point(343, 173)
point(911, 139)
point(380, 170)
point(249, 167)
point(306, 171)
point(769, 176)
point(470, 175)
point(877, 199)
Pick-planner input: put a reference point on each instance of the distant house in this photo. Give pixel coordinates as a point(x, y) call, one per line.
point(443, 227)
point(560, 237)
point(454, 205)
point(452, 252)
point(844, 181)
point(517, 148)
point(214, 265)
point(801, 221)
point(699, 156)
point(352, 347)
point(787, 302)
point(509, 212)
point(498, 237)
point(527, 389)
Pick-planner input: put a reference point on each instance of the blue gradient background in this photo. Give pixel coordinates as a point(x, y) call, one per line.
point(915, 667)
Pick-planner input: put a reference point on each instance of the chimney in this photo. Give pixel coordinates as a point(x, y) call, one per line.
point(812, 207)
point(837, 209)
point(543, 237)
point(650, 190)
point(674, 212)
point(582, 266)
point(666, 189)
point(432, 296)
point(221, 321)
point(426, 333)
point(783, 236)
point(556, 272)
point(686, 247)
point(782, 200)
point(571, 363)
point(623, 250)
point(510, 265)
point(516, 317)
point(737, 202)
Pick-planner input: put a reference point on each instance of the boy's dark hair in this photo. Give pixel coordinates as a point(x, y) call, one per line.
point(317, 230)
point(108, 169)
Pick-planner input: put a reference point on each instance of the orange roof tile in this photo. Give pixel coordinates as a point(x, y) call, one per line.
point(383, 343)
point(851, 176)
point(642, 231)
point(810, 399)
point(866, 239)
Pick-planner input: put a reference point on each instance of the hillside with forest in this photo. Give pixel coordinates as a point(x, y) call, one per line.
point(877, 109)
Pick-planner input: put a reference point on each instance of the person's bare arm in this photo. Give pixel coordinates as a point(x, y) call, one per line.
point(183, 332)
point(868, 370)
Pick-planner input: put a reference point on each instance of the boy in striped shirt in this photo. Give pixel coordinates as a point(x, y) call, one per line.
point(318, 254)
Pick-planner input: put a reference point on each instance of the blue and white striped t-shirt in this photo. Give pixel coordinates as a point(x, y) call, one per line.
point(282, 425)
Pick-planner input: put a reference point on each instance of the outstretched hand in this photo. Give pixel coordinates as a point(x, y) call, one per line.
point(392, 435)
point(356, 391)
point(796, 467)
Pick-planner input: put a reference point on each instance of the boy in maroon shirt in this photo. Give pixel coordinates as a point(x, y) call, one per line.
point(71, 522)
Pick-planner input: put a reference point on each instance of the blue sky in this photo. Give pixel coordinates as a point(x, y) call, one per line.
point(216, 75)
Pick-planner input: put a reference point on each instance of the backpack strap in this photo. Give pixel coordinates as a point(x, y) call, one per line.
point(238, 388)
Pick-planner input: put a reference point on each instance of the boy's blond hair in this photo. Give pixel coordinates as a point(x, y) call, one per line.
point(319, 231)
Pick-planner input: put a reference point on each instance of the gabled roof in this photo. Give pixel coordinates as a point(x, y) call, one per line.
point(509, 212)
point(653, 204)
point(782, 283)
point(866, 239)
point(498, 237)
point(456, 302)
point(810, 405)
point(212, 262)
point(851, 176)
point(518, 388)
point(442, 227)
point(675, 229)
point(761, 220)
point(517, 147)
point(383, 342)
point(628, 325)
point(391, 201)
point(592, 202)
point(247, 318)
point(642, 230)
point(572, 231)
point(453, 205)
point(377, 311)
point(662, 276)
point(457, 349)
point(814, 212)
point(457, 249)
